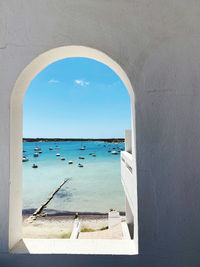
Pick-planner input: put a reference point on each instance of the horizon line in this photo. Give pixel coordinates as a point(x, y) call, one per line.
point(75, 138)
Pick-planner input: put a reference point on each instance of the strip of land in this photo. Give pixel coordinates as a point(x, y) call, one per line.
point(106, 140)
point(57, 213)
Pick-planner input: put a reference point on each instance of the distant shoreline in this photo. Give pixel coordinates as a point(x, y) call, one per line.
point(106, 140)
point(57, 213)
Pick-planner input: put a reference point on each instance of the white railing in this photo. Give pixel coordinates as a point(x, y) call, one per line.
point(127, 159)
point(128, 177)
point(129, 182)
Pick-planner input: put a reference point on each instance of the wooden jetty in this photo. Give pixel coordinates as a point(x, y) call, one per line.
point(43, 205)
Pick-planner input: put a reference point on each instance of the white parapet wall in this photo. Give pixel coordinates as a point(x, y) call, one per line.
point(113, 218)
point(129, 182)
point(128, 178)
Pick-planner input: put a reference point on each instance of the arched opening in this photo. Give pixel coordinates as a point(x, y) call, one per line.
point(22, 83)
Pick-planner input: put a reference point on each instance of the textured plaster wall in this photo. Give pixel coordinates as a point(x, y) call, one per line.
point(157, 43)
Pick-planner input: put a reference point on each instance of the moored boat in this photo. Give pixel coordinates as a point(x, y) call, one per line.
point(34, 166)
point(80, 165)
point(24, 159)
point(37, 148)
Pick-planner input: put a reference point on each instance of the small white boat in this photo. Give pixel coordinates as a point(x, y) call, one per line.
point(24, 159)
point(37, 148)
point(51, 148)
point(109, 150)
point(62, 158)
point(80, 165)
point(57, 154)
point(82, 148)
point(40, 152)
point(35, 154)
point(34, 166)
point(70, 162)
point(114, 152)
point(81, 157)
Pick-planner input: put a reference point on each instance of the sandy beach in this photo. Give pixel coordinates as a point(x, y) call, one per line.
point(59, 226)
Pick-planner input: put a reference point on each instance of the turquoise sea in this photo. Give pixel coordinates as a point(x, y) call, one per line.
point(94, 188)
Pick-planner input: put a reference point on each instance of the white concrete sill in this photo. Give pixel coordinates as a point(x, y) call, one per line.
point(78, 246)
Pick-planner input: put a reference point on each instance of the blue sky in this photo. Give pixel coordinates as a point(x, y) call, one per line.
point(76, 98)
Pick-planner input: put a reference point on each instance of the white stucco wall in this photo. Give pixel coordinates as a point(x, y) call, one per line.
point(157, 43)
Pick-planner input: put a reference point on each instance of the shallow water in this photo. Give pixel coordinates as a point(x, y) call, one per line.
point(94, 188)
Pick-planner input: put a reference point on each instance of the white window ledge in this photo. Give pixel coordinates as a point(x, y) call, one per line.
point(79, 246)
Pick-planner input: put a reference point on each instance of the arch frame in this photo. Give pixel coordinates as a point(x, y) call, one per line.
point(16, 126)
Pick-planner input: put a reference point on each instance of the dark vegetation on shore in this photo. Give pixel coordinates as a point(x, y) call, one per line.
point(85, 230)
point(106, 140)
point(51, 212)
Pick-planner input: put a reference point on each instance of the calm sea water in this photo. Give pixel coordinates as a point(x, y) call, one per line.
point(94, 188)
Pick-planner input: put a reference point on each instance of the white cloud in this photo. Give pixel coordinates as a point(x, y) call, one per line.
point(53, 81)
point(81, 82)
